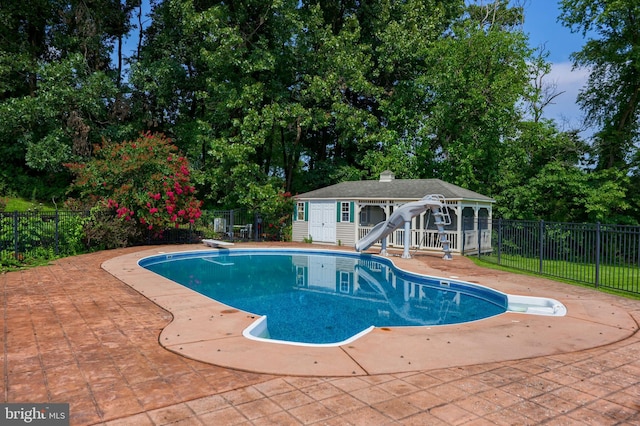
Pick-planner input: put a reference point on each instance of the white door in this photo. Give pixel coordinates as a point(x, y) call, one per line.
point(322, 221)
point(322, 272)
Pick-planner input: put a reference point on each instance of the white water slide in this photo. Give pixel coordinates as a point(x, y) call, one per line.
point(402, 217)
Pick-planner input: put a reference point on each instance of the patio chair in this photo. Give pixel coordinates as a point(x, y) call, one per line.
point(245, 232)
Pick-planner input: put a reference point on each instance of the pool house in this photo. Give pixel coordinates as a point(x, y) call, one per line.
point(343, 213)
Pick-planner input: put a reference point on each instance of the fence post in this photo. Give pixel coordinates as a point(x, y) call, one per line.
point(478, 235)
point(16, 253)
point(254, 230)
point(57, 235)
point(259, 230)
point(541, 246)
point(231, 224)
point(597, 283)
point(499, 239)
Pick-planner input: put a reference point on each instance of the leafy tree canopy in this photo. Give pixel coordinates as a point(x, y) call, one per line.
point(271, 98)
point(611, 97)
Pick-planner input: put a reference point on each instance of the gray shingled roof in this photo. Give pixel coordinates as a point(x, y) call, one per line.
point(397, 189)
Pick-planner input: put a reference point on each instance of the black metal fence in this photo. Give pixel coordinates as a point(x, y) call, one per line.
point(233, 225)
point(600, 255)
point(605, 256)
point(40, 235)
point(46, 235)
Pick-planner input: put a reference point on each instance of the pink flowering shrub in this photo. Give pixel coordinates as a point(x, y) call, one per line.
point(144, 181)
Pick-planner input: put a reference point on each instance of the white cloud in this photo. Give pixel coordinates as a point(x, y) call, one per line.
point(568, 82)
point(563, 73)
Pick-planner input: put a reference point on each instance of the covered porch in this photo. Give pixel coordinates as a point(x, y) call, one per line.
point(468, 233)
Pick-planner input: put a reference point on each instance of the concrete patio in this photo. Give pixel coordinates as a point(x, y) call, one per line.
point(73, 332)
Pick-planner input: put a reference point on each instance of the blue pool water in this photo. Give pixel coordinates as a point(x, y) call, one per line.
point(322, 297)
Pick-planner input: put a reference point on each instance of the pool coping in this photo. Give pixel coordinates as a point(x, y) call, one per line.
point(217, 336)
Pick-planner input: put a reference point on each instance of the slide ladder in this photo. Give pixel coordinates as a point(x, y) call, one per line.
point(442, 218)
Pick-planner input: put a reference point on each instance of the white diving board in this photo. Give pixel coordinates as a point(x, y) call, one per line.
point(216, 243)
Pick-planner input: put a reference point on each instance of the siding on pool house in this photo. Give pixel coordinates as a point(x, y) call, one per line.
point(325, 221)
point(343, 213)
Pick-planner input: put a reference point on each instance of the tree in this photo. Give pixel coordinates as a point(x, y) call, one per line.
point(66, 114)
point(542, 93)
point(57, 87)
point(569, 194)
point(403, 38)
point(265, 98)
point(285, 94)
point(611, 96)
point(477, 77)
point(215, 76)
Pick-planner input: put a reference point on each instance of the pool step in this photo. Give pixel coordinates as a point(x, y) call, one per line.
point(535, 306)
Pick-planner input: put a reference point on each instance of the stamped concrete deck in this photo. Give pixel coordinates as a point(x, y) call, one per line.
point(208, 331)
point(121, 347)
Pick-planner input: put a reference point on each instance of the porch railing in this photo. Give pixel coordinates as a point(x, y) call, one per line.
point(421, 239)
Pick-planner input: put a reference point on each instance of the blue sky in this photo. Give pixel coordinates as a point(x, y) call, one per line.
point(543, 29)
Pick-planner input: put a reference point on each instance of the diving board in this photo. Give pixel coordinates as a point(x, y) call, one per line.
point(216, 243)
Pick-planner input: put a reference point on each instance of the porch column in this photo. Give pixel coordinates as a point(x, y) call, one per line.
point(489, 224)
point(476, 218)
point(476, 227)
point(356, 220)
point(459, 220)
point(387, 215)
point(386, 210)
point(407, 239)
point(421, 229)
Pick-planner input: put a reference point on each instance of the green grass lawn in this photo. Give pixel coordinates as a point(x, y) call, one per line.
point(616, 278)
point(23, 205)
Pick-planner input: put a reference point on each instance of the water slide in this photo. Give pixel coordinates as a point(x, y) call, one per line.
point(404, 214)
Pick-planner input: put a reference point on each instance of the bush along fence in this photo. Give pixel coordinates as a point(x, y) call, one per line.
point(28, 236)
point(599, 255)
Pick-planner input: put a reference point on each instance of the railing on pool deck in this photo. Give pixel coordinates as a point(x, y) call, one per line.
point(25, 236)
point(600, 255)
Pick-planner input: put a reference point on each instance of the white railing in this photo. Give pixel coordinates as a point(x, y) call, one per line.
point(420, 239)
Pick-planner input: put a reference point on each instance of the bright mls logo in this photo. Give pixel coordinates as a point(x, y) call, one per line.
point(34, 414)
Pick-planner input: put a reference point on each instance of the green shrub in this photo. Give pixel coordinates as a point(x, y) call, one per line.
point(276, 217)
point(105, 230)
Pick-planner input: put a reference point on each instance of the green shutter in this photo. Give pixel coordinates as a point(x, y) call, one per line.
point(306, 211)
point(295, 212)
point(351, 211)
point(339, 209)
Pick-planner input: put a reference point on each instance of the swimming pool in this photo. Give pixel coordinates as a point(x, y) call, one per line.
point(322, 297)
